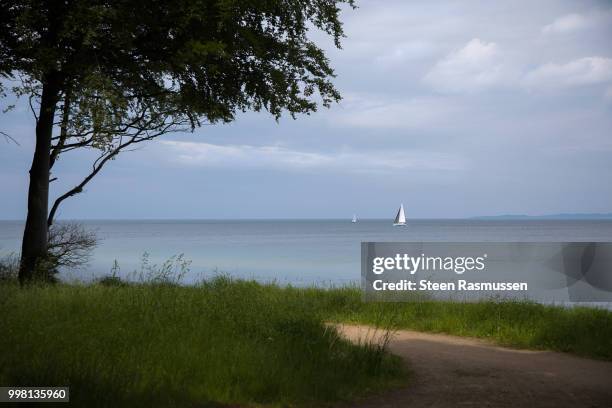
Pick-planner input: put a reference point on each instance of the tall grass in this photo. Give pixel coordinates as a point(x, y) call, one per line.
point(154, 342)
point(162, 344)
point(584, 331)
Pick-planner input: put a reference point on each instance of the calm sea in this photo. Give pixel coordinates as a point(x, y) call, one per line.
point(299, 252)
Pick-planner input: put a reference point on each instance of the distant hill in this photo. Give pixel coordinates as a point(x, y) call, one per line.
point(564, 216)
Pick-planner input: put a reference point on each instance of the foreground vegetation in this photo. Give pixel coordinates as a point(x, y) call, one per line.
point(161, 344)
point(238, 342)
point(583, 331)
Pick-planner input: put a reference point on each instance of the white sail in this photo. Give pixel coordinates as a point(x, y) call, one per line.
point(354, 218)
point(400, 218)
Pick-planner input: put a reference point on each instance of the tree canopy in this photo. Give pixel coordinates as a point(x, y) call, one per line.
point(197, 58)
point(108, 74)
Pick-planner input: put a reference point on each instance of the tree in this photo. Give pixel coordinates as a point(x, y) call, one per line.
point(107, 75)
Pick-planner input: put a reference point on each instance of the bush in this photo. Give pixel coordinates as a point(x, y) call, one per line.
point(69, 246)
point(9, 267)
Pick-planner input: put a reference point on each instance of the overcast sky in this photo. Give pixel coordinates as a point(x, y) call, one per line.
point(455, 109)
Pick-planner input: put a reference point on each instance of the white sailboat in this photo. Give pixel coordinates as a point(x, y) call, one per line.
point(400, 218)
point(354, 218)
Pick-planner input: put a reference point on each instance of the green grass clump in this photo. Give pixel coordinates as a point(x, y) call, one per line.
point(222, 342)
point(584, 331)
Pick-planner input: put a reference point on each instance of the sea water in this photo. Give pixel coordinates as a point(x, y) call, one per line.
point(297, 252)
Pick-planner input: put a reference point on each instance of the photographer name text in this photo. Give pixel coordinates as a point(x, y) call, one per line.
point(460, 285)
point(410, 265)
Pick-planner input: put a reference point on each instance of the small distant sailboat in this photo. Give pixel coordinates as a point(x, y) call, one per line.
point(400, 218)
point(354, 218)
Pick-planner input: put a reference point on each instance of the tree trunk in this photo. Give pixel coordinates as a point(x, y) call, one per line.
point(34, 244)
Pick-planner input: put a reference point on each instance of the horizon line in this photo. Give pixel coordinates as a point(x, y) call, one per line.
point(568, 216)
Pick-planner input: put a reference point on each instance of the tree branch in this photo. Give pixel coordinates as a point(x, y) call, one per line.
point(63, 132)
point(105, 157)
point(32, 107)
point(79, 187)
point(9, 138)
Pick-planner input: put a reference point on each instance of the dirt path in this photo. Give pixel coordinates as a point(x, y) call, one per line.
point(450, 371)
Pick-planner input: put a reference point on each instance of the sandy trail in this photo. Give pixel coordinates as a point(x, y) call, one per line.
point(450, 371)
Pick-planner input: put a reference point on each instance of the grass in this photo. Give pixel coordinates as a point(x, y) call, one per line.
point(583, 331)
point(222, 342)
point(240, 342)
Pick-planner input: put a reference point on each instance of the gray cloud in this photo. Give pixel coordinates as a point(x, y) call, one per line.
point(475, 66)
point(567, 23)
point(467, 108)
point(380, 112)
point(583, 71)
point(281, 158)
